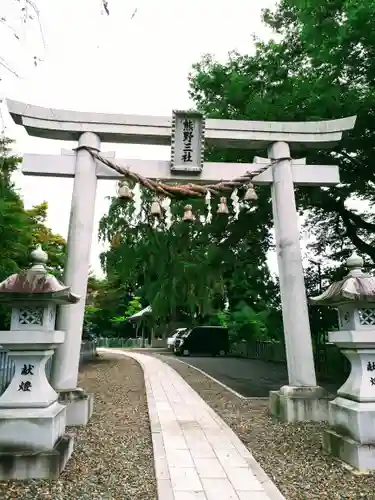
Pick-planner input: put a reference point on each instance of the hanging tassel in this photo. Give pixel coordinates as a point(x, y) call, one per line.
point(188, 214)
point(155, 208)
point(235, 203)
point(223, 207)
point(137, 193)
point(166, 206)
point(250, 194)
point(209, 208)
point(124, 192)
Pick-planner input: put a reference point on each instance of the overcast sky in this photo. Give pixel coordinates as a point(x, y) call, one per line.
point(112, 64)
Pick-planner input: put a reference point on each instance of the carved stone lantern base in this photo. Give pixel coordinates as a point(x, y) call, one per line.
point(32, 421)
point(33, 442)
point(351, 436)
point(23, 465)
point(32, 429)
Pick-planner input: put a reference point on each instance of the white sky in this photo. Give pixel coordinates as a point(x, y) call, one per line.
point(113, 64)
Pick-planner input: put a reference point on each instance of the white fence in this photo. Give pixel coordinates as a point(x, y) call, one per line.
point(118, 342)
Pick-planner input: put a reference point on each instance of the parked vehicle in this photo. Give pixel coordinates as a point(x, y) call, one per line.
point(213, 340)
point(171, 340)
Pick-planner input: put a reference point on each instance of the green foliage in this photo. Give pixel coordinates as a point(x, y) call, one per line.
point(22, 230)
point(91, 320)
point(54, 244)
point(15, 239)
point(334, 44)
point(133, 307)
point(320, 67)
point(186, 271)
point(219, 318)
point(297, 80)
point(246, 324)
point(164, 263)
point(109, 304)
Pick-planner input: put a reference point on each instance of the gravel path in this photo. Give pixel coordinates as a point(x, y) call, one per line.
point(290, 454)
point(113, 458)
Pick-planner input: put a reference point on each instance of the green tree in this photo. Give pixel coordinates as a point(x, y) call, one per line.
point(109, 303)
point(54, 244)
point(186, 270)
point(333, 42)
point(280, 83)
point(321, 66)
point(15, 239)
point(134, 306)
point(21, 230)
point(246, 324)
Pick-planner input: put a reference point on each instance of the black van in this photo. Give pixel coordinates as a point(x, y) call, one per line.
point(213, 340)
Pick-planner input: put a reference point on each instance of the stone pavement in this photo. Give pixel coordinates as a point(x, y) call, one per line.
point(197, 456)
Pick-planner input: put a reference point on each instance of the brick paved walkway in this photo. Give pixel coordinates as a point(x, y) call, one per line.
point(197, 456)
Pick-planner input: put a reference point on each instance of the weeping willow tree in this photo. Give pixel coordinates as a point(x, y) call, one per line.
point(198, 256)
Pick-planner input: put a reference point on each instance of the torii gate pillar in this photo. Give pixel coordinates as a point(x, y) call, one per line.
point(81, 228)
point(302, 399)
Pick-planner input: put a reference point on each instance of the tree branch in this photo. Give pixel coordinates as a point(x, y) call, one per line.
point(351, 230)
point(5, 65)
point(359, 222)
point(352, 159)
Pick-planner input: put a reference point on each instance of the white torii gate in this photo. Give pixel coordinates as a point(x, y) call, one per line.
point(302, 398)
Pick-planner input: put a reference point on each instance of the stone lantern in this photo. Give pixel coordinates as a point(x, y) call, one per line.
point(33, 443)
point(351, 436)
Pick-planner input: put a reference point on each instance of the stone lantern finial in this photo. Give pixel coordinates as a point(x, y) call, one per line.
point(39, 258)
point(356, 286)
point(355, 264)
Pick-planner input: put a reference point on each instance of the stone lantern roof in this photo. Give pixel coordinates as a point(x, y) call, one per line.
point(356, 286)
point(36, 284)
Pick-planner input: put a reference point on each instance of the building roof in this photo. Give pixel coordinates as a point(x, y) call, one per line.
point(139, 315)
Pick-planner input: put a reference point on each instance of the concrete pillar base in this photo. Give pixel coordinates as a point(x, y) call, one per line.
point(31, 464)
point(300, 404)
point(79, 406)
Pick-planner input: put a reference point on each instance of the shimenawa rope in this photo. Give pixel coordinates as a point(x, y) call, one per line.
point(183, 190)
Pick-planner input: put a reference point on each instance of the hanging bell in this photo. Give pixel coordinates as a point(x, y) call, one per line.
point(155, 207)
point(124, 192)
point(223, 207)
point(250, 194)
point(188, 214)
